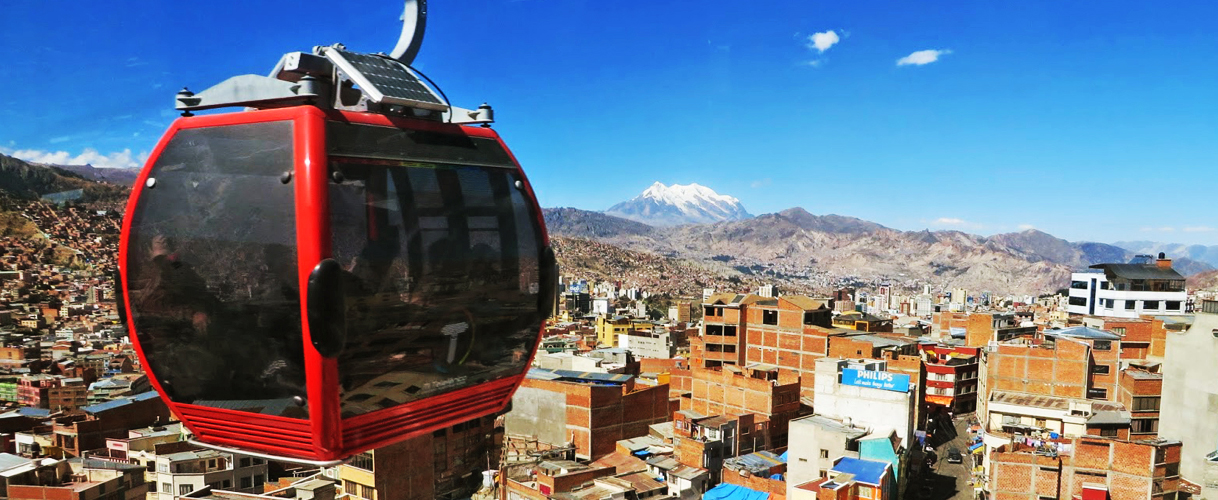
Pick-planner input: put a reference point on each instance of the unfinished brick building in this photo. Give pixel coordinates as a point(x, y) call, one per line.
point(771, 396)
point(1118, 469)
point(592, 411)
point(1141, 391)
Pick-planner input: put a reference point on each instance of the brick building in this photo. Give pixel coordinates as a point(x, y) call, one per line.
point(1078, 363)
point(1141, 392)
point(1114, 468)
point(1142, 339)
point(769, 394)
point(589, 410)
point(108, 420)
point(445, 464)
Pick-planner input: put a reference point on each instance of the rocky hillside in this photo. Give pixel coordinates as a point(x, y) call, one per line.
point(20, 179)
point(802, 250)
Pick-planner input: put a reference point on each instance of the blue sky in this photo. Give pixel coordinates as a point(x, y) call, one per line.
point(1091, 122)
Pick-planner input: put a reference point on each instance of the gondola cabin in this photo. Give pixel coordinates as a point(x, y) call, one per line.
point(337, 271)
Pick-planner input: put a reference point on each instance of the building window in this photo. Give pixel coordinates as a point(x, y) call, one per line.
point(1152, 305)
point(824, 453)
point(1108, 431)
point(228, 483)
point(1078, 285)
point(729, 331)
point(259, 480)
point(367, 492)
point(167, 488)
point(247, 482)
point(1119, 330)
point(1109, 303)
point(185, 489)
point(1146, 403)
point(769, 317)
point(1172, 305)
point(1130, 305)
point(1144, 425)
point(244, 462)
point(350, 488)
point(1100, 369)
point(364, 460)
point(1078, 301)
point(1040, 422)
point(1102, 345)
point(1097, 393)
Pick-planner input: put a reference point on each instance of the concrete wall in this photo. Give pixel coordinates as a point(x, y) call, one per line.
point(538, 412)
point(866, 407)
point(804, 461)
point(1190, 396)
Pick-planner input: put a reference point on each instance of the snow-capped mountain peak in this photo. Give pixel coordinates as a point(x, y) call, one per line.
point(663, 205)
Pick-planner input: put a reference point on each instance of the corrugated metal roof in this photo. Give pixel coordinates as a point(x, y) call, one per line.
point(758, 462)
point(806, 303)
point(1084, 332)
point(1138, 272)
point(110, 405)
point(616, 378)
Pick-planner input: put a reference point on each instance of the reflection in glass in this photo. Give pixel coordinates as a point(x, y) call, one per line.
point(212, 270)
point(442, 280)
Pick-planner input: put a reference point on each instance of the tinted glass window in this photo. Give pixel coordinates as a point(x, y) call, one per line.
point(442, 278)
point(212, 270)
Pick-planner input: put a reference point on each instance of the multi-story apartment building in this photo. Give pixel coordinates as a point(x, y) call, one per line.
point(951, 377)
point(442, 465)
point(180, 473)
point(1141, 391)
point(1129, 290)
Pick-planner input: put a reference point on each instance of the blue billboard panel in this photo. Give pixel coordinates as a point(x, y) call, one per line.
point(898, 382)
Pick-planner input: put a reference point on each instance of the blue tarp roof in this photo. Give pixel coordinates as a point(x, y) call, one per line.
point(727, 491)
point(975, 446)
point(783, 456)
point(865, 471)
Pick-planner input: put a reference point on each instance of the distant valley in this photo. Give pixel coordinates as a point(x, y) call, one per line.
point(807, 252)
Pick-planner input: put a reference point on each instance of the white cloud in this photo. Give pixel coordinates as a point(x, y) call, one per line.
point(90, 156)
point(1026, 227)
point(814, 63)
point(760, 183)
point(1164, 229)
point(822, 41)
point(957, 223)
point(62, 138)
point(922, 57)
point(1199, 229)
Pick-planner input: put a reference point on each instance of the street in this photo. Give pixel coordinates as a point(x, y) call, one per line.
point(947, 481)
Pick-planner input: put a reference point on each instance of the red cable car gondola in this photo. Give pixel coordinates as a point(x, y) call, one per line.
point(347, 265)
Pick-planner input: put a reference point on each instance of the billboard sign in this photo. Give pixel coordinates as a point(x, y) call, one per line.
point(897, 382)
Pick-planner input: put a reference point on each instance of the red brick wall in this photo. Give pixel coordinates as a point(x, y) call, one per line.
point(776, 489)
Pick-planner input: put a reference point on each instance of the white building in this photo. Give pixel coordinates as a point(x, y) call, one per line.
point(180, 473)
point(647, 345)
point(603, 306)
point(1128, 290)
point(814, 442)
point(866, 393)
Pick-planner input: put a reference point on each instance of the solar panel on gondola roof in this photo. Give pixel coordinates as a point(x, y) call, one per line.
point(386, 80)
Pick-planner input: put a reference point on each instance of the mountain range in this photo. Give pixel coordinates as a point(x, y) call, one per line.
point(662, 205)
point(804, 251)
